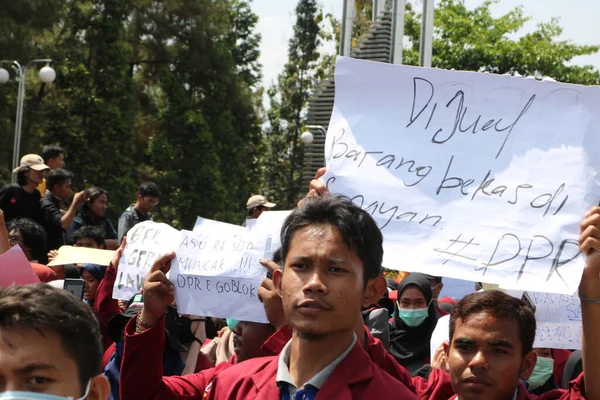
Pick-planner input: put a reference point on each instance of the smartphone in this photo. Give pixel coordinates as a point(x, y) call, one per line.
point(529, 302)
point(75, 287)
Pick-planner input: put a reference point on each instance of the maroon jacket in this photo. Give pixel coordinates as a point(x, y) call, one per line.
point(141, 374)
point(438, 387)
point(105, 307)
point(357, 377)
point(141, 370)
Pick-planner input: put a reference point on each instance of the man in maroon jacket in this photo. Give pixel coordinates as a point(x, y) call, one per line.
point(332, 252)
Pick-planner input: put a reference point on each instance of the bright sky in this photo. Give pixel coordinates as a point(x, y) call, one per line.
point(276, 21)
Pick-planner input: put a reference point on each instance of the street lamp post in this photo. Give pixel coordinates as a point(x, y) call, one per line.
point(307, 137)
point(47, 75)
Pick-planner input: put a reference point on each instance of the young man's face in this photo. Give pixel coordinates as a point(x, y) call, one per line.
point(57, 162)
point(14, 238)
point(322, 283)
point(34, 176)
point(32, 362)
point(248, 339)
point(63, 191)
point(87, 242)
point(485, 358)
point(147, 203)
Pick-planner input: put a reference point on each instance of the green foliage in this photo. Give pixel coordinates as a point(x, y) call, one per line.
point(474, 40)
point(145, 89)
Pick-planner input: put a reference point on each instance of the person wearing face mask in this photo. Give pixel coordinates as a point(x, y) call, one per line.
point(413, 323)
point(49, 346)
point(542, 378)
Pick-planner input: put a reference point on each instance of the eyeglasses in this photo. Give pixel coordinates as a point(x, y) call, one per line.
point(152, 201)
point(13, 239)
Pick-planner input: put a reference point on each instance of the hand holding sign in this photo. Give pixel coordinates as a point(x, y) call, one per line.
point(114, 263)
point(158, 291)
point(146, 241)
point(268, 295)
point(317, 187)
point(589, 242)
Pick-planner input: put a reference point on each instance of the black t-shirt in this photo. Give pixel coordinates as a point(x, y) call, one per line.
point(17, 203)
point(52, 222)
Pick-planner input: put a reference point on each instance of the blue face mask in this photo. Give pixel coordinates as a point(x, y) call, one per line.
point(541, 373)
point(16, 395)
point(231, 323)
point(413, 317)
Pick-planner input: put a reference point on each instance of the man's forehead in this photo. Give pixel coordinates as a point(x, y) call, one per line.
point(26, 348)
point(313, 239)
point(486, 327)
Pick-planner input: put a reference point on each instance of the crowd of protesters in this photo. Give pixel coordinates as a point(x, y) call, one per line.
point(336, 328)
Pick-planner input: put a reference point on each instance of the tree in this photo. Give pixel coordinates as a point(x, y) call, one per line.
point(91, 110)
point(145, 89)
point(474, 40)
point(283, 166)
point(206, 149)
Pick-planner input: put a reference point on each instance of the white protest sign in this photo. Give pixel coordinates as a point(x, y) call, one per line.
point(266, 234)
point(470, 176)
point(250, 222)
point(206, 225)
point(558, 318)
point(146, 242)
point(213, 275)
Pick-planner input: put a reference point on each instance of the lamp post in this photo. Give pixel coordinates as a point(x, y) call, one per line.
point(46, 74)
point(307, 137)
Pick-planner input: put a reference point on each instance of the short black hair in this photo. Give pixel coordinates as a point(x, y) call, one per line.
point(276, 257)
point(51, 151)
point(91, 232)
point(32, 234)
point(499, 305)
point(42, 308)
point(57, 176)
point(356, 226)
point(149, 189)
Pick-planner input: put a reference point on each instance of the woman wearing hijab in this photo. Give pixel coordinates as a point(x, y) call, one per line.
point(413, 323)
point(91, 274)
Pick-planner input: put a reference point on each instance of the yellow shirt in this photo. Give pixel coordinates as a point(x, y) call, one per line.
point(42, 187)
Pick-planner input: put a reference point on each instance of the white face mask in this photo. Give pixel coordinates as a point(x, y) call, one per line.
point(17, 395)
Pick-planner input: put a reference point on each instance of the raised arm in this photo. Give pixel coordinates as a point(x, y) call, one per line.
point(589, 293)
point(105, 307)
point(141, 367)
point(67, 218)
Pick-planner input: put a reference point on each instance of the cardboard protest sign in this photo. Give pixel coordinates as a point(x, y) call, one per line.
point(16, 269)
point(81, 255)
point(146, 242)
point(213, 276)
point(471, 176)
